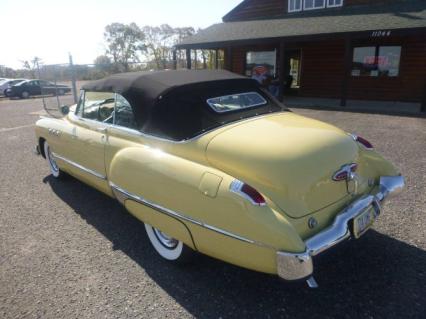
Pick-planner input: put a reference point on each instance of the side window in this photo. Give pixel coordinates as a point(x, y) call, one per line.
point(98, 106)
point(123, 115)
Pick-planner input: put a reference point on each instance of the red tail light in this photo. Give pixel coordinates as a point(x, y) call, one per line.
point(363, 142)
point(248, 192)
point(342, 174)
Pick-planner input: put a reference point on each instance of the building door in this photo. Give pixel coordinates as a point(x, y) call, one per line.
point(293, 60)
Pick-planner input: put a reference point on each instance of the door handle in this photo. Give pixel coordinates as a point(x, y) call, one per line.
point(101, 129)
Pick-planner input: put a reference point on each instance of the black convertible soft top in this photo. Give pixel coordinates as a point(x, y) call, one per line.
point(146, 88)
point(172, 104)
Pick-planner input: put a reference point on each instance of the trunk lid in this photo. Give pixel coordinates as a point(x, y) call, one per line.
point(289, 158)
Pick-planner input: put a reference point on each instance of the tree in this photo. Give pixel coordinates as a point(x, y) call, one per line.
point(124, 43)
point(103, 63)
point(181, 34)
point(159, 43)
point(31, 66)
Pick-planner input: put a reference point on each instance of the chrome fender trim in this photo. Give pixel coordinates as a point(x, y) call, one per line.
point(80, 167)
point(122, 195)
point(299, 266)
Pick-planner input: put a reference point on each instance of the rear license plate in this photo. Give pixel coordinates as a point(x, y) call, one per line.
point(363, 222)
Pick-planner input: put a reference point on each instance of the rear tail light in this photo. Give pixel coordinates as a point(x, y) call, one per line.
point(342, 175)
point(247, 192)
point(363, 142)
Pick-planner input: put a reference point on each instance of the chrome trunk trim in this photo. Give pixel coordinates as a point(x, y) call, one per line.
point(80, 167)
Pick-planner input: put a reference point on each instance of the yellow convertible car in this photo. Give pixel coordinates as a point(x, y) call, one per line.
point(210, 162)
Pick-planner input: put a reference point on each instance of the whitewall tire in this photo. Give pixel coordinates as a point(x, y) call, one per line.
point(54, 168)
point(167, 247)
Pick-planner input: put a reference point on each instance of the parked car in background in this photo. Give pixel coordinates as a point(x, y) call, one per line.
point(28, 88)
point(211, 162)
point(7, 84)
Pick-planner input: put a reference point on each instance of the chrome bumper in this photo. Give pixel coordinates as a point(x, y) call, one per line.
point(292, 266)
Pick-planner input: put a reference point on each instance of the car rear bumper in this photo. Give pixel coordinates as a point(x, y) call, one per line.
point(292, 266)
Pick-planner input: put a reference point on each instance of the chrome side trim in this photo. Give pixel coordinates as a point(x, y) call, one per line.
point(122, 195)
point(80, 167)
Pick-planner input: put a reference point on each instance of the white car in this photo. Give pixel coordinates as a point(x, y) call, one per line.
point(6, 84)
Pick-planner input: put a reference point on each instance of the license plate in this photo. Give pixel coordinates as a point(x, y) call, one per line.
point(363, 222)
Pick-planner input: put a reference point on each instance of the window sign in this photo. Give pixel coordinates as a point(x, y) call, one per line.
point(376, 61)
point(261, 65)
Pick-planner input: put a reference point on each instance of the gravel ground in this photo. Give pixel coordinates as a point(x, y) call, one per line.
point(68, 251)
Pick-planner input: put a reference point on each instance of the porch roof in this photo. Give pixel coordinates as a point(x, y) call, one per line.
point(393, 17)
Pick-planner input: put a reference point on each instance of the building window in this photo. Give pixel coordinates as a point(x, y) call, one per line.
point(376, 61)
point(313, 4)
point(294, 5)
point(334, 3)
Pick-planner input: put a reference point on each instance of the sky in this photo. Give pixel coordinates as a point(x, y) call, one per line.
point(50, 29)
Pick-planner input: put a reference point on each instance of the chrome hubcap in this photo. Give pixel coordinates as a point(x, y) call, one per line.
point(165, 240)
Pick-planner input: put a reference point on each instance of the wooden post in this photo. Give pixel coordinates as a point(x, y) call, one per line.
point(228, 59)
point(346, 72)
point(188, 59)
point(281, 71)
point(216, 60)
point(174, 59)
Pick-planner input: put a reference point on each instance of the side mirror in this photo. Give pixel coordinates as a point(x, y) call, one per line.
point(65, 109)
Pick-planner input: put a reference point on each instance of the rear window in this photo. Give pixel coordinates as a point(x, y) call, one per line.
point(236, 102)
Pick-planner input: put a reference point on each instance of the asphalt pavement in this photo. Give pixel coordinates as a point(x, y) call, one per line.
point(68, 251)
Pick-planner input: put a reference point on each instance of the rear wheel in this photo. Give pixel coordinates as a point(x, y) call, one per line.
point(54, 168)
point(167, 247)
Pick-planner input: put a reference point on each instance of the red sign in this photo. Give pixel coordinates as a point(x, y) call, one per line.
point(376, 60)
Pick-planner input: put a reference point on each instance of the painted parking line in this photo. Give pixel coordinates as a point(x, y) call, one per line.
point(8, 129)
point(41, 112)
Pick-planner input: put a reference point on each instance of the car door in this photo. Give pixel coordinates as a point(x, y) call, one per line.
point(32, 87)
point(89, 135)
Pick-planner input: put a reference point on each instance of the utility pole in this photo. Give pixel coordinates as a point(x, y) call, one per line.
point(74, 85)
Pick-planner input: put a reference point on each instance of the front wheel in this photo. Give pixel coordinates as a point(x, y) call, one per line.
point(167, 247)
point(54, 168)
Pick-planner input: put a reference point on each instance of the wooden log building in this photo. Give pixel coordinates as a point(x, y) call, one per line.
point(336, 49)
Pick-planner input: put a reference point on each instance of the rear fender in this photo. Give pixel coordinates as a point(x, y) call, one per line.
point(199, 196)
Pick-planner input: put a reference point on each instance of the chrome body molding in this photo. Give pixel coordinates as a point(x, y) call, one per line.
point(80, 167)
point(299, 266)
point(122, 195)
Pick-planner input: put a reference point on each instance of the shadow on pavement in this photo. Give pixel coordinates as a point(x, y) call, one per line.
point(374, 277)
